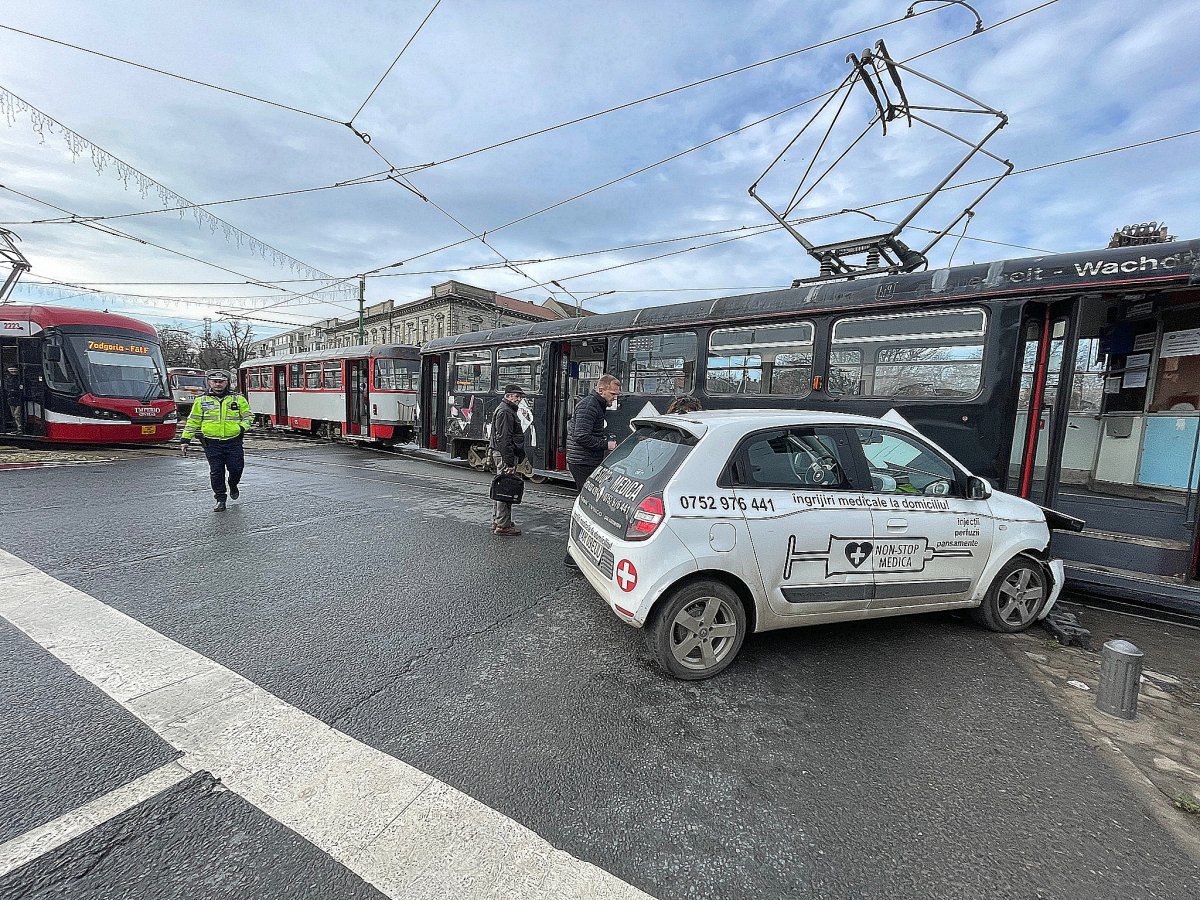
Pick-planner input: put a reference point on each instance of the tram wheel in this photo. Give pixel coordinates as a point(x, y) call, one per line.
point(476, 459)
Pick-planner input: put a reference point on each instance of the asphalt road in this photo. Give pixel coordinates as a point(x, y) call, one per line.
point(900, 758)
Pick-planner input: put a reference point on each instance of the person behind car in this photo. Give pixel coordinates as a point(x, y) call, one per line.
point(586, 441)
point(222, 418)
point(683, 405)
point(507, 447)
point(13, 396)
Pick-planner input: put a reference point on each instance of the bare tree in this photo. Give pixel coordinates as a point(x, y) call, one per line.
point(239, 337)
point(178, 346)
point(228, 349)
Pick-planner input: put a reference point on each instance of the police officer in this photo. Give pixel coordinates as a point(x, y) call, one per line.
point(221, 417)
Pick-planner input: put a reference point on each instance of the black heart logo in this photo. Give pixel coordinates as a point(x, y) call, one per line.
point(857, 552)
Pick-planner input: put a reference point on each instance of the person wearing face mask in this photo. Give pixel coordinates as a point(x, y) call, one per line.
point(222, 417)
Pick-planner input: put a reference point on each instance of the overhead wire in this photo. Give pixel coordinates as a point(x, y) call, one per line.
point(371, 178)
point(680, 154)
point(109, 230)
point(77, 142)
point(195, 81)
point(412, 38)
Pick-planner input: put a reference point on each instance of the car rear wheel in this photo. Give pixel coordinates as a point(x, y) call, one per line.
point(1015, 598)
point(697, 630)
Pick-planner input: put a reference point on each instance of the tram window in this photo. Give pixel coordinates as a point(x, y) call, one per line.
point(766, 359)
point(294, 375)
point(312, 375)
point(57, 370)
point(520, 366)
point(268, 380)
point(660, 363)
point(473, 371)
point(926, 356)
point(333, 374)
point(254, 380)
point(395, 375)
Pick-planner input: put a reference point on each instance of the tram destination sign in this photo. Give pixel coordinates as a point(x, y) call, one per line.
point(109, 347)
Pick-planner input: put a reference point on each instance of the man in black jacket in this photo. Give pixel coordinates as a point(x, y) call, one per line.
point(508, 450)
point(587, 442)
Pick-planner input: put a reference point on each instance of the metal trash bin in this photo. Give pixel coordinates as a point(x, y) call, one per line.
point(1120, 676)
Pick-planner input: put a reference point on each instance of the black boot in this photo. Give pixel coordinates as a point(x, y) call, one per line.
point(234, 493)
point(220, 507)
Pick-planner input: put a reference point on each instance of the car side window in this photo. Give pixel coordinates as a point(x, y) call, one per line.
point(796, 459)
point(900, 465)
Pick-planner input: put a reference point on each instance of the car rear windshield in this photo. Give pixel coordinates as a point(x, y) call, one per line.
point(652, 452)
point(642, 465)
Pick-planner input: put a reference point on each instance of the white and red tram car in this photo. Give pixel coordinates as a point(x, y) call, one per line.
point(366, 393)
point(186, 385)
point(85, 377)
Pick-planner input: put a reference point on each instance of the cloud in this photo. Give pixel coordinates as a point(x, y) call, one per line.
point(481, 73)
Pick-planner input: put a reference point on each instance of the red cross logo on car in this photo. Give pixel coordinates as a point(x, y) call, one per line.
point(626, 575)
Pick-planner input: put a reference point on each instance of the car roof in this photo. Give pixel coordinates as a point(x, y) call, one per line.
point(699, 423)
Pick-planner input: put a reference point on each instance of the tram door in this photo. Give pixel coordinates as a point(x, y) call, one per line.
point(432, 409)
point(23, 393)
point(1049, 334)
point(281, 410)
point(11, 413)
point(358, 403)
point(575, 367)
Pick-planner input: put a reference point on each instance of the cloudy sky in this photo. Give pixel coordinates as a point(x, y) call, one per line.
point(1075, 77)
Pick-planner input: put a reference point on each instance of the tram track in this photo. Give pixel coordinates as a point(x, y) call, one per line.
point(443, 483)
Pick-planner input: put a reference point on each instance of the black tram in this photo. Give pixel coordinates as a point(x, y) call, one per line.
point(1104, 345)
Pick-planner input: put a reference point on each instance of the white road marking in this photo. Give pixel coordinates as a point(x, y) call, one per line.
point(399, 829)
point(40, 841)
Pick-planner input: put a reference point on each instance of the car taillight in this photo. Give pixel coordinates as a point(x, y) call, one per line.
point(646, 518)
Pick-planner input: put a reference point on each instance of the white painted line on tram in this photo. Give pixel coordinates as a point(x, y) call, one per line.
point(399, 829)
point(41, 840)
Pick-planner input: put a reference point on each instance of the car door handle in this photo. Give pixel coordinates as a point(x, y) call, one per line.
point(897, 524)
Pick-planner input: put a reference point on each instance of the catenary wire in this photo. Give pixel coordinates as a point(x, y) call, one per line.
point(668, 159)
point(118, 233)
point(675, 90)
point(363, 105)
point(215, 87)
point(372, 178)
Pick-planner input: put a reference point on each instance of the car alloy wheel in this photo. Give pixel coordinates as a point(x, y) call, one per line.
point(699, 630)
point(1015, 598)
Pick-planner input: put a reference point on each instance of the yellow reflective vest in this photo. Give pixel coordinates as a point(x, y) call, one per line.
point(219, 418)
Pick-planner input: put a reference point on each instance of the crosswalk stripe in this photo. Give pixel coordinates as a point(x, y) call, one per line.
point(39, 841)
point(401, 830)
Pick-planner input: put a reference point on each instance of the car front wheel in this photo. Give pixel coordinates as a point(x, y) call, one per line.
point(1016, 596)
point(698, 629)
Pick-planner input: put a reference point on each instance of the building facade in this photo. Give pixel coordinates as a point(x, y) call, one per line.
point(451, 308)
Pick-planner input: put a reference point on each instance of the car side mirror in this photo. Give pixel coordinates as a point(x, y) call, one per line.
point(978, 488)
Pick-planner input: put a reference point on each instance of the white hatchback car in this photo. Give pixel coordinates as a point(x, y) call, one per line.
point(706, 526)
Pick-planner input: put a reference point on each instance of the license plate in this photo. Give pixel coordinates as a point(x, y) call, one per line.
point(592, 543)
point(149, 429)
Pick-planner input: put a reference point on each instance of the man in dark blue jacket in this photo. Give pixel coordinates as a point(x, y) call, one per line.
point(587, 443)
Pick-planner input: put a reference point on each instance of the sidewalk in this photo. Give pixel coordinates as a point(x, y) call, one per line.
point(1160, 749)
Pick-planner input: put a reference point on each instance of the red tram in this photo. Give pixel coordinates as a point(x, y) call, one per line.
point(75, 376)
point(366, 393)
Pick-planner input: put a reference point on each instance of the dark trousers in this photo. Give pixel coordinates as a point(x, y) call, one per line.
point(224, 456)
point(580, 472)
